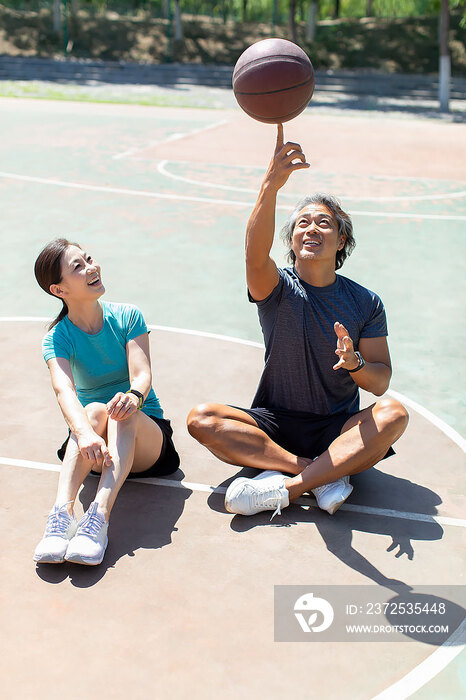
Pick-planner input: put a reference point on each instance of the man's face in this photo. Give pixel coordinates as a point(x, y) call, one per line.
point(315, 235)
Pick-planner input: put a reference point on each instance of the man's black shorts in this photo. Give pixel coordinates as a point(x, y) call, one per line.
point(303, 434)
point(167, 463)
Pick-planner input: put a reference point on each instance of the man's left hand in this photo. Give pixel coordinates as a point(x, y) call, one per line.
point(345, 349)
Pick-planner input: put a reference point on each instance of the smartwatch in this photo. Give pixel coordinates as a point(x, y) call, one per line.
point(361, 364)
point(139, 395)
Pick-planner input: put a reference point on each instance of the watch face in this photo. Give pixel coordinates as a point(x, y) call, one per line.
point(361, 361)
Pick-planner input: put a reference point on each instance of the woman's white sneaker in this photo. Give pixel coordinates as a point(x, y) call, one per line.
point(90, 541)
point(267, 491)
point(60, 528)
point(330, 497)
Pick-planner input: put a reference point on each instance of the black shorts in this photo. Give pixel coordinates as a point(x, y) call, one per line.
point(167, 463)
point(303, 434)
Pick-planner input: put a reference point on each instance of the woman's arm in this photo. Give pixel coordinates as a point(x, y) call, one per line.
point(140, 376)
point(91, 445)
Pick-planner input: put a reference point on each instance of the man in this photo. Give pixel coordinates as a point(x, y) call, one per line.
point(305, 419)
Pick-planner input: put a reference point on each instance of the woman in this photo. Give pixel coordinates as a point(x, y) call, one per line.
point(99, 362)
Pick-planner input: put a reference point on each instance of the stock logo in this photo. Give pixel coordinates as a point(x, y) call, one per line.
point(309, 607)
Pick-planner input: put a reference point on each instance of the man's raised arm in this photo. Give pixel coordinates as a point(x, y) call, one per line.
point(261, 271)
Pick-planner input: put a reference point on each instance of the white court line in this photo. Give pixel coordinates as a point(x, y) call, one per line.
point(310, 501)
point(424, 672)
point(206, 200)
point(440, 658)
point(172, 137)
point(450, 432)
point(162, 169)
point(431, 417)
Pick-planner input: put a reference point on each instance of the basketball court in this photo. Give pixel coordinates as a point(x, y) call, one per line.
point(183, 601)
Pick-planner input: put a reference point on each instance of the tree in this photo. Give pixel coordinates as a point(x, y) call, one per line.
point(311, 20)
point(178, 22)
point(57, 16)
point(293, 20)
point(444, 57)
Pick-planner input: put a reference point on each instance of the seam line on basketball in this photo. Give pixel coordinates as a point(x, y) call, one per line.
point(271, 92)
point(269, 59)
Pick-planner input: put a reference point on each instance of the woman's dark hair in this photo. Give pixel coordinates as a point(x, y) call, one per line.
point(345, 226)
point(47, 270)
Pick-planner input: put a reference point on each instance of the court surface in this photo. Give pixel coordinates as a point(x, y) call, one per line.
point(183, 602)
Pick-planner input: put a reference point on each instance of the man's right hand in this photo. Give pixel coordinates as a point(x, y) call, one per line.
point(94, 448)
point(281, 166)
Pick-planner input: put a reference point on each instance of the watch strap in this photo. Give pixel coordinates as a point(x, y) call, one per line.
point(139, 396)
point(361, 364)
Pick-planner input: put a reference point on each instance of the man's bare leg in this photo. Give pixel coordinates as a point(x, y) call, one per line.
point(234, 437)
point(364, 441)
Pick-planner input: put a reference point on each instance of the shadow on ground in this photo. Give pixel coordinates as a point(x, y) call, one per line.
point(142, 518)
point(372, 488)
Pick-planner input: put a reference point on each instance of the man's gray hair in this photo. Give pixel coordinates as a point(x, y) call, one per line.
point(345, 225)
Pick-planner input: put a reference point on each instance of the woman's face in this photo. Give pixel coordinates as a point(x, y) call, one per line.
point(80, 276)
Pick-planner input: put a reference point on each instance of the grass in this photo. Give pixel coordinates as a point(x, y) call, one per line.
point(106, 94)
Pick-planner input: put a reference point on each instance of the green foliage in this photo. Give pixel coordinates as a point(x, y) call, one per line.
point(256, 10)
point(386, 8)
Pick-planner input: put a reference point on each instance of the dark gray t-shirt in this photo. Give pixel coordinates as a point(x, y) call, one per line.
point(297, 322)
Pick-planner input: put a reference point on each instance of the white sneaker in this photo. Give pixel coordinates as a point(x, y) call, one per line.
point(90, 541)
point(330, 497)
point(59, 530)
point(264, 492)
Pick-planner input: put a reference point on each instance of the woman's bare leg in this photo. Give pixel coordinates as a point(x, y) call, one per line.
point(75, 467)
point(135, 445)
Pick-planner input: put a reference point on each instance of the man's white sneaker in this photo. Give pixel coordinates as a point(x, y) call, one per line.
point(331, 496)
point(59, 530)
point(266, 491)
point(90, 541)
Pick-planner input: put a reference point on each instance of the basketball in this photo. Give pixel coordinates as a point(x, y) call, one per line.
point(273, 80)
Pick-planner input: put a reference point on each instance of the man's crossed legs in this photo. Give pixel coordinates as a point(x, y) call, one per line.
point(234, 436)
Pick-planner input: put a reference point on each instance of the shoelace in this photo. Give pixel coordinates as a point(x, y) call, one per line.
point(91, 525)
point(272, 500)
point(58, 521)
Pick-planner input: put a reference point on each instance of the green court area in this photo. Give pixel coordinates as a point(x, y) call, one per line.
point(161, 198)
point(185, 594)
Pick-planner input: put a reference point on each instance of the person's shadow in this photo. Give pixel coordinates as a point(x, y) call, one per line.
point(371, 488)
point(144, 517)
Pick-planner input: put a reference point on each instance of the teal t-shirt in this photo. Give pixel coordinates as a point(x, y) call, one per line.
point(98, 361)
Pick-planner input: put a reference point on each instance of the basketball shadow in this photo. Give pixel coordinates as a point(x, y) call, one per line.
point(144, 517)
point(371, 488)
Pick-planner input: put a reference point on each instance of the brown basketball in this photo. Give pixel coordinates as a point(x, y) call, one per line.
point(273, 80)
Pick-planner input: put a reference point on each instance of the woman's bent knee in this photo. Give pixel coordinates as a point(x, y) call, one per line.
point(96, 412)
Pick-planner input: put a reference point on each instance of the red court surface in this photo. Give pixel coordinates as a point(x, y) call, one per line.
point(183, 602)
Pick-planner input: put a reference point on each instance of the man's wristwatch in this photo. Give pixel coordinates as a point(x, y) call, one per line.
point(361, 364)
point(139, 395)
